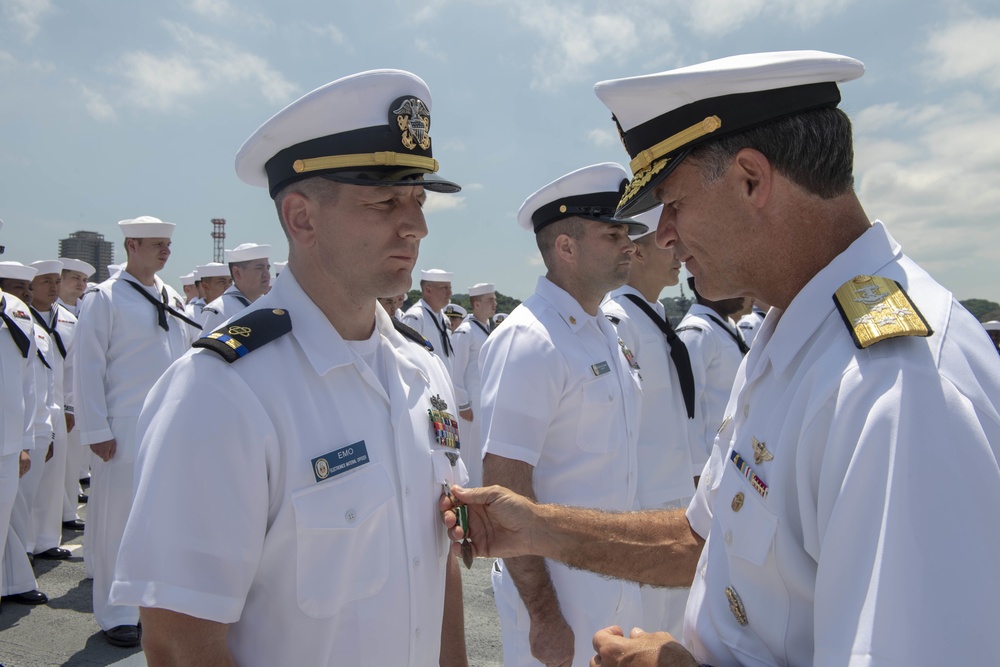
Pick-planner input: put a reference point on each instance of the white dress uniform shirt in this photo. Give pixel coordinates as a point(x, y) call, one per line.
point(467, 341)
point(876, 541)
point(715, 356)
point(23, 412)
point(749, 324)
point(669, 458)
point(227, 306)
point(74, 310)
point(559, 395)
point(434, 327)
point(194, 309)
point(120, 351)
point(259, 540)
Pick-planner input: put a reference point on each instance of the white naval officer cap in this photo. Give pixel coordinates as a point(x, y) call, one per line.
point(436, 276)
point(46, 266)
point(499, 317)
point(187, 279)
point(455, 310)
point(248, 251)
point(70, 264)
point(992, 325)
point(592, 193)
point(480, 289)
point(16, 271)
point(651, 219)
point(371, 128)
point(662, 117)
point(211, 270)
point(146, 227)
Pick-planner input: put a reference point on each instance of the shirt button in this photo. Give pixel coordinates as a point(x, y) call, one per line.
point(406, 490)
point(416, 562)
point(729, 538)
point(746, 410)
point(611, 399)
point(738, 501)
point(350, 516)
point(416, 633)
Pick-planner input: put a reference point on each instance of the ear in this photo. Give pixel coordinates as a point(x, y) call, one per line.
point(299, 213)
point(565, 248)
point(756, 176)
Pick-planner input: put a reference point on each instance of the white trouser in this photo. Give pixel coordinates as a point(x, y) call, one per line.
point(107, 513)
point(76, 456)
point(472, 448)
point(46, 512)
point(8, 492)
point(18, 576)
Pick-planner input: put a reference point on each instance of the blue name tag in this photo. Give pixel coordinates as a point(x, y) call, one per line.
point(601, 368)
point(340, 461)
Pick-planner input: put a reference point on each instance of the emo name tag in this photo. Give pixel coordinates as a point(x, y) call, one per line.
point(601, 368)
point(340, 461)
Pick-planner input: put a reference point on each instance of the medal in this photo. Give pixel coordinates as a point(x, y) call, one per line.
point(462, 520)
point(445, 427)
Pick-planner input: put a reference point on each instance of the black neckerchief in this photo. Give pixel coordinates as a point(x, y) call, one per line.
point(20, 338)
point(740, 343)
point(445, 343)
point(161, 307)
point(678, 352)
point(239, 296)
point(50, 330)
point(480, 325)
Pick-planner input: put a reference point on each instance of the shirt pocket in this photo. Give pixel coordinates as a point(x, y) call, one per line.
point(342, 540)
point(599, 414)
point(748, 526)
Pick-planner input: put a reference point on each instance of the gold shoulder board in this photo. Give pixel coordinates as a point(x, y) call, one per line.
point(876, 308)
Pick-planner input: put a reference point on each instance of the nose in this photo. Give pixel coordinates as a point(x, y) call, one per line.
point(414, 225)
point(666, 232)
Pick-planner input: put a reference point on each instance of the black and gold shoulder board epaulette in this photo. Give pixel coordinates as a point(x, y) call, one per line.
point(412, 334)
point(876, 308)
point(245, 334)
point(614, 320)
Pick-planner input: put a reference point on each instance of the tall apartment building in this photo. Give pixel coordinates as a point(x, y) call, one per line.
point(91, 248)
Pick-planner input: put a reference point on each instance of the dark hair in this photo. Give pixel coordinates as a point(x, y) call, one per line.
point(814, 149)
point(546, 237)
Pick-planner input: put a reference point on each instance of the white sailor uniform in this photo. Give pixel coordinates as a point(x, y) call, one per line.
point(468, 341)
point(434, 328)
point(851, 491)
point(227, 306)
point(559, 394)
point(313, 504)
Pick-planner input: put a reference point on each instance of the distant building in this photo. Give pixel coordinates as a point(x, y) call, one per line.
point(91, 248)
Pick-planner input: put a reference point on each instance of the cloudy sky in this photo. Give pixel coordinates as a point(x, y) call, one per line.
point(112, 109)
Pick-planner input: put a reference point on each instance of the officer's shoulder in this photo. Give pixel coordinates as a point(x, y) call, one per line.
point(412, 334)
point(247, 333)
point(874, 309)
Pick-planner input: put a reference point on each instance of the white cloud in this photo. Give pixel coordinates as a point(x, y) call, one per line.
point(27, 15)
point(223, 11)
point(602, 137)
point(96, 105)
point(966, 50)
point(201, 63)
point(437, 202)
point(430, 48)
point(329, 31)
point(721, 17)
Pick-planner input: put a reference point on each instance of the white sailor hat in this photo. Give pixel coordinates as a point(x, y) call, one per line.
point(278, 266)
point(592, 193)
point(146, 227)
point(455, 310)
point(992, 325)
point(662, 117)
point(188, 279)
point(436, 276)
point(480, 289)
point(114, 268)
point(16, 271)
point(371, 128)
point(651, 219)
point(211, 270)
point(46, 266)
point(248, 251)
point(70, 264)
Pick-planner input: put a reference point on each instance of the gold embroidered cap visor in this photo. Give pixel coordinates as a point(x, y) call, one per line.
point(663, 117)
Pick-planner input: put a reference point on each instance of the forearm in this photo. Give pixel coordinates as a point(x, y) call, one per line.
point(171, 639)
point(453, 651)
point(656, 547)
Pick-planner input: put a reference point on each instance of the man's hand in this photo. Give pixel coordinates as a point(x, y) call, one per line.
point(499, 521)
point(70, 421)
point(641, 649)
point(23, 463)
point(105, 450)
point(51, 452)
point(551, 640)
point(466, 414)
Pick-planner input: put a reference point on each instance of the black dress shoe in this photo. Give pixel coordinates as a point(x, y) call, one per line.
point(75, 524)
point(83, 498)
point(55, 553)
point(123, 635)
point(31, 597)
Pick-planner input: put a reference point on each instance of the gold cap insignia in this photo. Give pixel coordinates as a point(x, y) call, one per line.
point(876, 308)
point(414, 120)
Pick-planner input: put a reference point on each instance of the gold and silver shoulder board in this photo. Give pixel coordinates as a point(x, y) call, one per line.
point(876, 308)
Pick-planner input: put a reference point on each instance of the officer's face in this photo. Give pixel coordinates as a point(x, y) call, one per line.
point(707, 227)
point(214, 286)
point(45, 290)
point(605, 255)
point(73, 284)
point(660, 262)
point(367, 238)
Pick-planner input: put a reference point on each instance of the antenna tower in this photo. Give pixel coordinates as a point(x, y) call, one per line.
point(219, 239)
